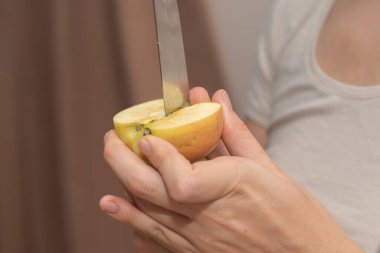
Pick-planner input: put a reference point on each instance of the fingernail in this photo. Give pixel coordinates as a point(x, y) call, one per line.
point(111, 207)
point(145, 147)
point(227, 100)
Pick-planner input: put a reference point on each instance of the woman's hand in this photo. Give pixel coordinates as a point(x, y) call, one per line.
point(237, 202)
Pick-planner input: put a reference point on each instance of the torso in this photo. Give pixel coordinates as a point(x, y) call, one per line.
point(325, 100)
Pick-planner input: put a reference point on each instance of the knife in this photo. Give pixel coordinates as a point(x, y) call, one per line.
point(174, 78)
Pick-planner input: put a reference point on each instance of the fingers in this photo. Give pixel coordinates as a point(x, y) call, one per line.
point(219, 150)
point(191, 183)
point(236, 136)
point(172, 220)
point(168, 161)
point(146, 245)
point(137, 177)
point(237, 139)
point(199, 95)
point(124, 212)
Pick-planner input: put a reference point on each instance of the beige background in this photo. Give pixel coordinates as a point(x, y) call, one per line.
point(66, 67)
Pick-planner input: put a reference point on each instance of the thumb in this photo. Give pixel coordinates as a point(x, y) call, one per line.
point(237, 137)
point(192, 183)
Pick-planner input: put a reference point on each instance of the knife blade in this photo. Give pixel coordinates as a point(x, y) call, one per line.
point(172, 55)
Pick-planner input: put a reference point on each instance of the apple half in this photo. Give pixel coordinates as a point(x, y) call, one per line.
point(194, 130)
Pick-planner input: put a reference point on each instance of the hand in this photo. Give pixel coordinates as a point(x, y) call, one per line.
point(145, 245)
point(239, 202)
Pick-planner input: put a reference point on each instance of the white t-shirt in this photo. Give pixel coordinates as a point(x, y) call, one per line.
point(323, 133)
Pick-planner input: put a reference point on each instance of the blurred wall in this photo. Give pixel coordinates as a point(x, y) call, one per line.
point(66, 67)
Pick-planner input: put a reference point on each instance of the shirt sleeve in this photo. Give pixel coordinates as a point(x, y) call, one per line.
point(259, 94)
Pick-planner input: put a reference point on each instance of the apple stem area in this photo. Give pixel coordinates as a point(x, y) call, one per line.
point(146, 130)
point(194, 130)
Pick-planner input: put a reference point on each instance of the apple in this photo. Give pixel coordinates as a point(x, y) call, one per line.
point(193, 130)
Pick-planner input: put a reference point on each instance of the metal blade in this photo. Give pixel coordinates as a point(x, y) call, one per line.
point(172, 55)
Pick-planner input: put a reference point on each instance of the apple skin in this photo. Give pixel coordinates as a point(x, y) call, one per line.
point(194, 130)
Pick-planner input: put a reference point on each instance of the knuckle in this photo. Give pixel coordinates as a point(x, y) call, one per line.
point(129, 217)
point(182, 190)
point(140, 186)
point(223, 217)
point(158, 234)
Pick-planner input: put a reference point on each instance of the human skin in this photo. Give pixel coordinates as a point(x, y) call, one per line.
point(239, 201)
point(348, 46)
point(275, 209)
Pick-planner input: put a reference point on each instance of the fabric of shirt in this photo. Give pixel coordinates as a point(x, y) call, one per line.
point(322, 132)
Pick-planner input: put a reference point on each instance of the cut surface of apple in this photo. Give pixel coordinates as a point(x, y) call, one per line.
point(194, 130)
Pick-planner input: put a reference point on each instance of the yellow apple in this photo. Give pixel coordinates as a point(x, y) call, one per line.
point(193, 130)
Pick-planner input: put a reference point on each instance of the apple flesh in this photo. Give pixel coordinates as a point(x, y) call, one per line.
point(194, 130)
